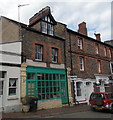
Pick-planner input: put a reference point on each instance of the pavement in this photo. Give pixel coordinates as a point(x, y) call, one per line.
point(46, 113)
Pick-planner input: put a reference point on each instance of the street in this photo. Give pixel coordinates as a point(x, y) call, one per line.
point(87, 114)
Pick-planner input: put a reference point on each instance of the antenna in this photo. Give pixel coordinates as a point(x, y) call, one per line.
point(19, 10)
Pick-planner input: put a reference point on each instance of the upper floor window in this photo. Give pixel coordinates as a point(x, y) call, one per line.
point(99, 66)
point(105, 51)
point(39, 52)
point(111, 67)
point(109, 53)
point(82, 63)
point(54, 55)
point(47, 26)
point(97, 49)
point(80, 44)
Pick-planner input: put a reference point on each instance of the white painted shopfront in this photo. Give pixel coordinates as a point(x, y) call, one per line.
point(10, 61)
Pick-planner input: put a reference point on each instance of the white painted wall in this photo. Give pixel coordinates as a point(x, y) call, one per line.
point(12, 55)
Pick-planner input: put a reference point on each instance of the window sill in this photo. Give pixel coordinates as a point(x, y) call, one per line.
point(12, 98)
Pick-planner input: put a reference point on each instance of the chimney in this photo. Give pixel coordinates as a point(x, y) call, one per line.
point(82, 28)
point(97, 36)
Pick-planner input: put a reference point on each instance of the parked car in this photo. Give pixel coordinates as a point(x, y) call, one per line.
point(101, 100)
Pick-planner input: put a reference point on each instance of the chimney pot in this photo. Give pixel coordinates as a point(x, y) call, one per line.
point(98, 36)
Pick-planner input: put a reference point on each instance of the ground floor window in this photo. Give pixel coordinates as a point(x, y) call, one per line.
point(78, 86)
point(46, 86)
point(12, 86)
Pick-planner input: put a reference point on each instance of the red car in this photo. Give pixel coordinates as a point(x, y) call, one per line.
point(101, 100)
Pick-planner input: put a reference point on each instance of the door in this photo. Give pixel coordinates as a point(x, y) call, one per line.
point(79, 91)
point(1, 95)
point(64, 92)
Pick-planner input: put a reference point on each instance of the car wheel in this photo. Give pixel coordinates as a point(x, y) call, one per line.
point(92, 108)
point(112, 109)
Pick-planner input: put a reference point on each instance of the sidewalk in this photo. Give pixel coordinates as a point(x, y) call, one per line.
point(48, 112)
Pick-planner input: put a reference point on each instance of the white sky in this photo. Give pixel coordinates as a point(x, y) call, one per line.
point(97, 15)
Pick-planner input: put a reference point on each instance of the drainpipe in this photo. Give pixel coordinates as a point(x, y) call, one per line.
point(71, 73)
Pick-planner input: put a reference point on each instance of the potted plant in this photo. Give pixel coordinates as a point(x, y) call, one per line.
point(25, 103)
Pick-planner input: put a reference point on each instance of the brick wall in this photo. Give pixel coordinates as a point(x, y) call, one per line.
point(89, 54)
point(32, 38)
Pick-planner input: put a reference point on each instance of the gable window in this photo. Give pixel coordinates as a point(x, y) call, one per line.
point(12, 86)
point(54, 55)
point(99, 66)
point(80, 44)
point(47, 26)
point(82, 63)
point(97, 49)
point(39, 52)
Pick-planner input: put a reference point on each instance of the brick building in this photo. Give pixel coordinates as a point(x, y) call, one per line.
point(89, 60)
point(59, 66)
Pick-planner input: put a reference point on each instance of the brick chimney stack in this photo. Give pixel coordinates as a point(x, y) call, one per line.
point(82, 28)
point(98, 36)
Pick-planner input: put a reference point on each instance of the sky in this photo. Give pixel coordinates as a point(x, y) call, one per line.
point(96, 13)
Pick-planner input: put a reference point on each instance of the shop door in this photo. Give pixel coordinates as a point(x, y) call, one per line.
point(64, 92)
point(1, 95)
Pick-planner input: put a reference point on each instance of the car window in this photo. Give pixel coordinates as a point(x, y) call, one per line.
point(96, 96)
point(109, 96)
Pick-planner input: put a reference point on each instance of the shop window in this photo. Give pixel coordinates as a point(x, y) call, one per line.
point(12, 86)
point(46, 86)
point(31, 75)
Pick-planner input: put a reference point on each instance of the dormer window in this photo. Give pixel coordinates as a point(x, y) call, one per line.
point(47, 26)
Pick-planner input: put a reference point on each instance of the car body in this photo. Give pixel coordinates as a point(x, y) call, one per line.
point(101, 100)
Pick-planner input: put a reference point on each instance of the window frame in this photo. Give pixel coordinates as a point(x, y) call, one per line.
point(99, 64)
point(97, 48)
point(49, 29)
point(80, 43)
point(82, 63)
point(55, 56)
point(13, 87)
point(39, 53)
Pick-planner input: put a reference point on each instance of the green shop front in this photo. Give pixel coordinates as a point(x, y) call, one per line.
point(49, 85)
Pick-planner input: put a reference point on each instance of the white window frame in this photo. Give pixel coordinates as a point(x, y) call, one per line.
point(105, 51)
point(80, 44)
point(111, 64)
point(39, 54)
point(55, 55)
point(47, 26)
point(13, 87)
point(99, 66)
point(81, 63)
point(97, 49)
point(109, 53)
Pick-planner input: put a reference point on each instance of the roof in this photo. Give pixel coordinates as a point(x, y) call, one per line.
point(40, 15)
point(87, 37)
